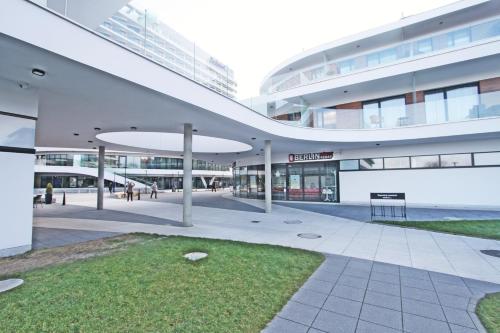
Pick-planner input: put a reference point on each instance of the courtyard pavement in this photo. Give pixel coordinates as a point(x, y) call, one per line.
point(355, 295)
point(444, 253)
point(44, 238)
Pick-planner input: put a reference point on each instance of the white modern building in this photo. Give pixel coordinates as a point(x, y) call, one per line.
point(414, 82)
point(415, 111)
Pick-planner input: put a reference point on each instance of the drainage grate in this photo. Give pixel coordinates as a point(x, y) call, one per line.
point(493, 253)
point(293, 221)
point(309, 235)
point(255, 221)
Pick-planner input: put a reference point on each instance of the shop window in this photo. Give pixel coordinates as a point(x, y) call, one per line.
point(456, 160)
point(396, 162)
point(371, 163)
point(429, 161)
point(481, 159)
point(346, 165)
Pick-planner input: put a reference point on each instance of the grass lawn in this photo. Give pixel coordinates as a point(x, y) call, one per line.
point(488, 310)
point(479, 228)
point(149, 287)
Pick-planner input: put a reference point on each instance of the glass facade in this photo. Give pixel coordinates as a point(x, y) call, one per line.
point(314, 181)
point(124, 161)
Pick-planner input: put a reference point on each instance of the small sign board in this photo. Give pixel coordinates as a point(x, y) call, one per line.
point(387, 196)
point(306, 157)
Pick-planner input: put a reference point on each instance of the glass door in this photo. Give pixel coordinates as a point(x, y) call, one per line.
point(329, 188)
point(295, 187)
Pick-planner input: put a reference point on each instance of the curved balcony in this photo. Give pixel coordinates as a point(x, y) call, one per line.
point(392, 113)
point(411, 49)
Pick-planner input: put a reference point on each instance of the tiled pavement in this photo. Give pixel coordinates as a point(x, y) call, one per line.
point(52, 237)
point(355, 295)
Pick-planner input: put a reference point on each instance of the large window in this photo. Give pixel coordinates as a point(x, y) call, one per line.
point(452, 104)
point(483, 159)
point(429, 161)
point(396, 162)
point(456, 160)
point(349, 165)
point(388, 112)
point(371, 163)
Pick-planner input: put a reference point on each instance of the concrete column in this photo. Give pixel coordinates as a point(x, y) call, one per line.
point(187, 182)
point(267, 167)
point(100, 179)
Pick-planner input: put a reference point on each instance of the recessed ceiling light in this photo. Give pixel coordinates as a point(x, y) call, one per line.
point(76, 134)
point(133, 128)
point(38, 72)
point(216, 153)
point(195, 130)
point(94, 147)
point(345, 91)
point(97, 128)
point(377, 144)
point(261, 149)
point(254, 138)
point(257, 154)
point(441, 22)
point(90, 141)
point(237, 153)
point(357, 46)
point(182, 155)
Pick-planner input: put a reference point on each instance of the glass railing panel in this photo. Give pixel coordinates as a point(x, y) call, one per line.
point(452, 39)
point(461, 105)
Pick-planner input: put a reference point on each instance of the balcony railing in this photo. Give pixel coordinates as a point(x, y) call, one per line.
point(395, 113)
point(457, 38)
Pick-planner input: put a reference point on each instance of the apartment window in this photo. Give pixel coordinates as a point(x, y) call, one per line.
point(429, 161)
point(481, 159)
point(456, 160)
point(452, 104)
point(388, 112)
point(346, 66)
point(397, 162)
point(423, 46)
point(371, 163)
point(349, 165)
point(460, 37)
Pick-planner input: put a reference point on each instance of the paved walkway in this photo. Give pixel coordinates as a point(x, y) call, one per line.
point(44, 238)
point(456, 255)
point(355, 295)
point(362, 213)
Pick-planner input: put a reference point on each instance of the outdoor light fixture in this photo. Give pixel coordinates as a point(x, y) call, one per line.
point(345, 91)
point(257, 154)
point(94, 147)
point(133, 128)
point(195, 130)
point(97, 128)
point(254, 138)
point(237, 153)
point(76, 134)
point(38, 72)
point(90, 141)
point(377, 144)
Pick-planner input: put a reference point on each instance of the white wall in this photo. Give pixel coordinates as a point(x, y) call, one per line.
point(16, 171)
point(460, 188)
point(16, 199)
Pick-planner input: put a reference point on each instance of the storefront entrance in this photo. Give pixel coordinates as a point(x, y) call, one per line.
point(304, 181)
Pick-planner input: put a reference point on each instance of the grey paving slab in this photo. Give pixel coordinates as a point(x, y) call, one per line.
point(428, 310)
point(347, 292)
point(310, 297)
point(417, 324)
point(367, 327)
point(384, 288)
point(412, 306)
point(280, 325)
point(419, 294)
point(459, 317)
point(334, 323)
point(326, 276)
point(383, 300)
point(299, 313)
point(381, 316)
point(343, 306)
point(461, 329)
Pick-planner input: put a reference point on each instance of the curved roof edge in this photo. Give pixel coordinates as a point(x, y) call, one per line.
point(406, 21)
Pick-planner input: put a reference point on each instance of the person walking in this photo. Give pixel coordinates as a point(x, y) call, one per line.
point(110, 187)
point(214, 187)
point(130, 191)
point(154, 189)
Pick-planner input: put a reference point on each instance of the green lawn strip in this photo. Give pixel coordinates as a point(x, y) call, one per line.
point(150, 287)
point(488, 310)
point(474, 228)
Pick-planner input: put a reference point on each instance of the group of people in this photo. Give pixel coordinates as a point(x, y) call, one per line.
point(129, 189)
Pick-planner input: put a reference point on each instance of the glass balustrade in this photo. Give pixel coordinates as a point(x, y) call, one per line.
point(409, 49)
point(461, 104)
